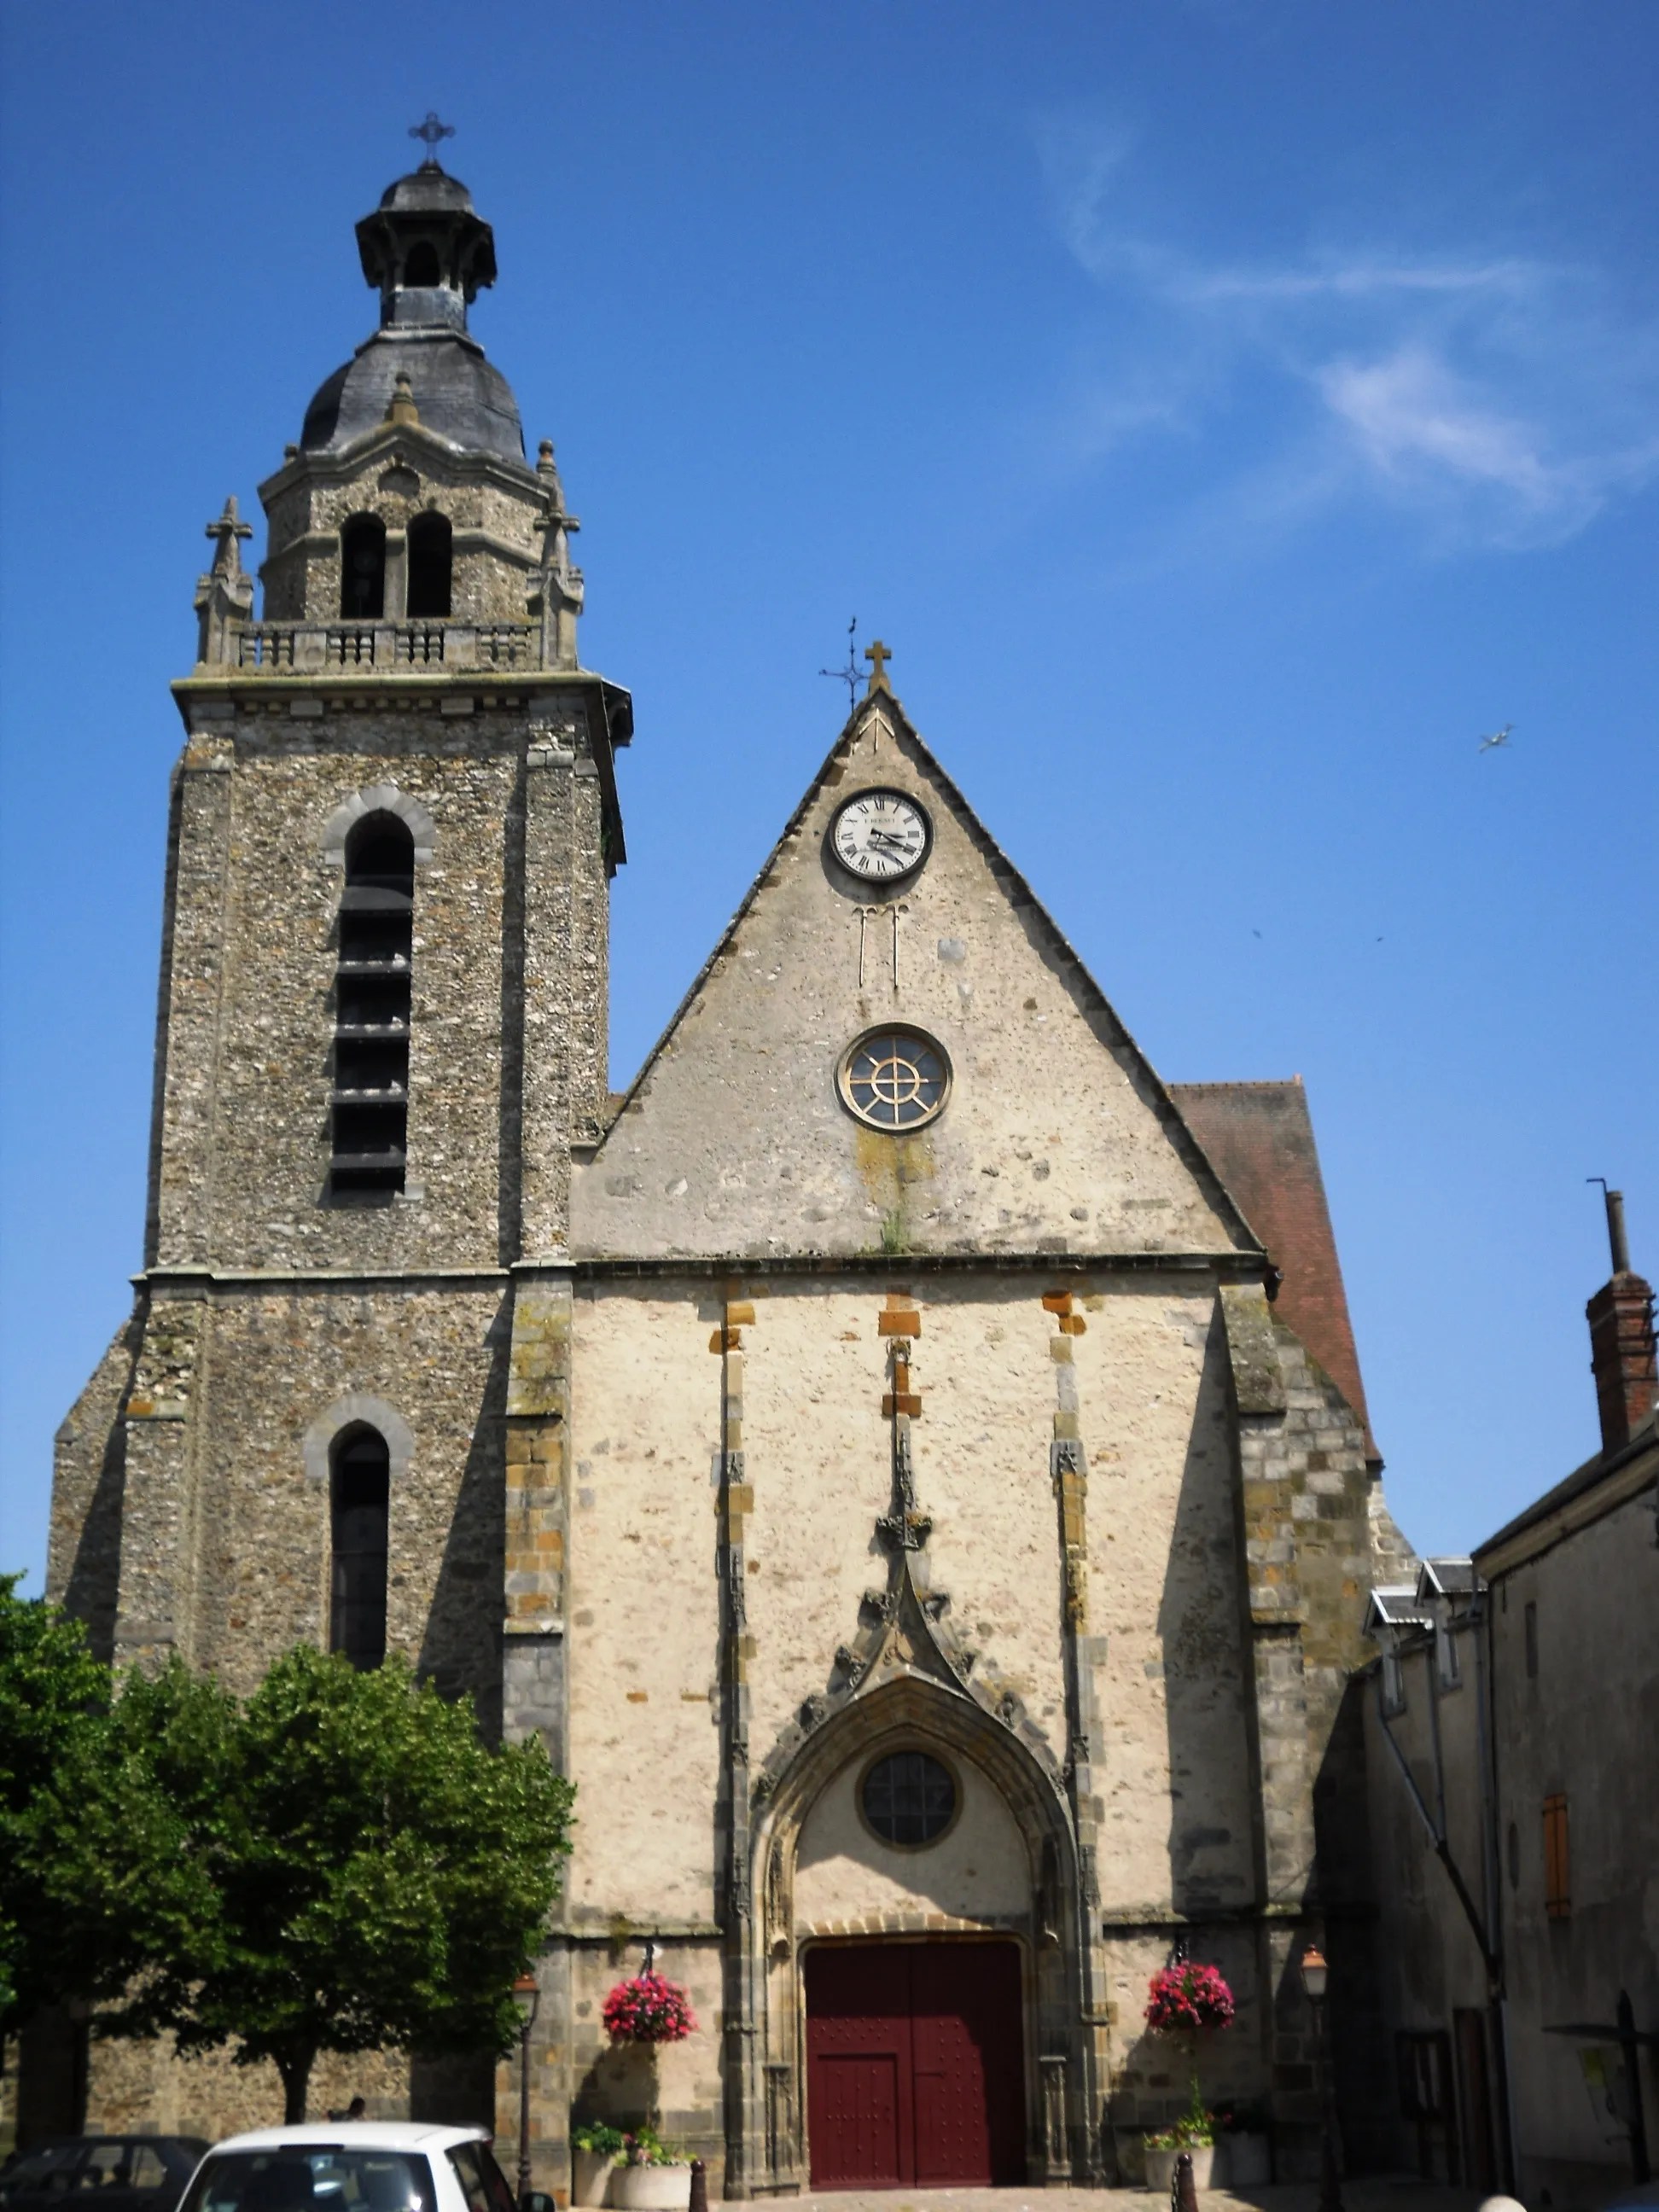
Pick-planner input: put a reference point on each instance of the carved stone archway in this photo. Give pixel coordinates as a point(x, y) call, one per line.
point(901, 1702)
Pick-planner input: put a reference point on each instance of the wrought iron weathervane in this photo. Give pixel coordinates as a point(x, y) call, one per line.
point(850, 675)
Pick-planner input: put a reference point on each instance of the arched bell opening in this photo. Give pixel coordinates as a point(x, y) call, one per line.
point(373, 1009)
point(941, 1910)
point(431, 561)
point(421, 267)
point(363, 568)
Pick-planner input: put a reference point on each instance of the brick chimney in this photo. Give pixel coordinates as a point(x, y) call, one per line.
point(1620, 1317)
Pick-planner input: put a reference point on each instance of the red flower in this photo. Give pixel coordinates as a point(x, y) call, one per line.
point(648, 2010)
point(1180, 2000)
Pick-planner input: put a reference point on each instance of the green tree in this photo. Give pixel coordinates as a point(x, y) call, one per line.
point(88, 1871)
point(364, 1874)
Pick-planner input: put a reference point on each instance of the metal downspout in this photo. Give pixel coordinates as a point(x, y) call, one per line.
point(1486, 1673)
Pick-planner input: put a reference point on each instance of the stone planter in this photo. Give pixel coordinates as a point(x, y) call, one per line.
point(590, 2173)
point(651, 2188)
point(1244, 2161)
point(1160, 2167)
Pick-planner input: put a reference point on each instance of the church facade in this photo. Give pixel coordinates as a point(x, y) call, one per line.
point(908, 1462)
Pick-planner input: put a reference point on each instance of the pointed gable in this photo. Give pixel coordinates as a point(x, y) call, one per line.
point(1056, 1135)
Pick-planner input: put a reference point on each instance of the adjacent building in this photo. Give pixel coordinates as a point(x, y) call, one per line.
point(1511, 1723)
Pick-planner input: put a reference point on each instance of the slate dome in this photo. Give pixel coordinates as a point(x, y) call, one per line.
point(460, 396)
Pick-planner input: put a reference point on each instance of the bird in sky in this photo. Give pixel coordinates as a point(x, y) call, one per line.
point(1498, 738)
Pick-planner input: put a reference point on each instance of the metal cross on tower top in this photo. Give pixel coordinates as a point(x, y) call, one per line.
point(432, 133)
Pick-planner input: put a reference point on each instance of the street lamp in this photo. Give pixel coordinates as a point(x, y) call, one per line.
point(1315, 1980)
point(527, 1997)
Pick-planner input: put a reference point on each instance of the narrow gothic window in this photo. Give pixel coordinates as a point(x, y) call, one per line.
point(363, 568)
point(361, 1485)
point(371, 1010)
point(429, 542)
point(422, 266)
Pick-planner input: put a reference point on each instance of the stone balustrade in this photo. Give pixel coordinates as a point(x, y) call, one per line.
point(285, 649)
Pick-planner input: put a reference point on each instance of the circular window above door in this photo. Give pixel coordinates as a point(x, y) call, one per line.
point(909, 1799)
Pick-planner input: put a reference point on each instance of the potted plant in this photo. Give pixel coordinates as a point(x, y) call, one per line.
point(595, 2147)
point(1246, 2153)
point(1186, 2001)
point(1194, 2133)
point(653, 2176)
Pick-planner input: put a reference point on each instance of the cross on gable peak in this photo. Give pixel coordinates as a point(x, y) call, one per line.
point(878, 655)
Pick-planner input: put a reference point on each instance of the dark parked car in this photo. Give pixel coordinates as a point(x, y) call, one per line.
point(101, 2173)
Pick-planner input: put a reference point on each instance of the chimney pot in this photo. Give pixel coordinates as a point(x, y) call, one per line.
point(1620, 1317)
point(1617, 1241)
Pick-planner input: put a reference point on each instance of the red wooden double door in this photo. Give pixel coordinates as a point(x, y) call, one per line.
point(915, 2072)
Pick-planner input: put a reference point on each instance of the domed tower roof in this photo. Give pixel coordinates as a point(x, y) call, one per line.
point(429, 254)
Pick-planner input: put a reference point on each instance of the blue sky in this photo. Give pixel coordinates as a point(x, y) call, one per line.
point(1227, 412)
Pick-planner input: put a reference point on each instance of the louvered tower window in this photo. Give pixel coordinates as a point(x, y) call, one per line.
point(362, 1474)
point(371, 1010)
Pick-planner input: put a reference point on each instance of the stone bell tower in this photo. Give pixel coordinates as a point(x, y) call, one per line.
point(381, 1035)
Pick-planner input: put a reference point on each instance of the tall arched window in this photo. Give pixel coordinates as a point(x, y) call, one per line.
point(363, 568)
point(361, 1479)
point(429, 542)
point(371, 1010)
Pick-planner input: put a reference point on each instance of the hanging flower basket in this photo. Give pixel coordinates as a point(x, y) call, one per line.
point(1184, 1999)
point(648, 2008)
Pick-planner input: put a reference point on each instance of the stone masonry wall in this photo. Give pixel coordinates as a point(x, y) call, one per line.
point(247, 1021)
point(245, 1183)
point(1057, 1137)
point(492, 511)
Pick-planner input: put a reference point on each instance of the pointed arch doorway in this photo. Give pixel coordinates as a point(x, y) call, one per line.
point(914, 2064)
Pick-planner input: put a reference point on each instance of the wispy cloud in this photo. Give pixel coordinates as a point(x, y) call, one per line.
point(1503, 398)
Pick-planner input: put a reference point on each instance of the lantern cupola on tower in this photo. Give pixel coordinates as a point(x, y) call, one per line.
point(427, 251)
point(408, 533)
point(429, 254)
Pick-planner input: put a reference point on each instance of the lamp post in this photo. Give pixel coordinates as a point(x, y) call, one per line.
point(527, 1997)
point(1315, 1979)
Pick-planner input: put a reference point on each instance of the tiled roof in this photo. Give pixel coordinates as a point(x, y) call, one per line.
point(1259, 1140)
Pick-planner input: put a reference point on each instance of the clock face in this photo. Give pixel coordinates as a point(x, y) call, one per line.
point(881, 836)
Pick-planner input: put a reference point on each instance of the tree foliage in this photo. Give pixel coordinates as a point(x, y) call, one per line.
point(364, 1872)
point(85, 1862)
point(339, 1863)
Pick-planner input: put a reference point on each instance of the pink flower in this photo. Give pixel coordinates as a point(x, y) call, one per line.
point(648, 2008)
point(1182, 2000)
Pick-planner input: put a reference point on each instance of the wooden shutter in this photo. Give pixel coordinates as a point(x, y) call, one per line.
point(1557, 1881)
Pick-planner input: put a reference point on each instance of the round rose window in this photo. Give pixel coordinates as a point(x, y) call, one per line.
point(909, 1798)
point(895, 1078)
